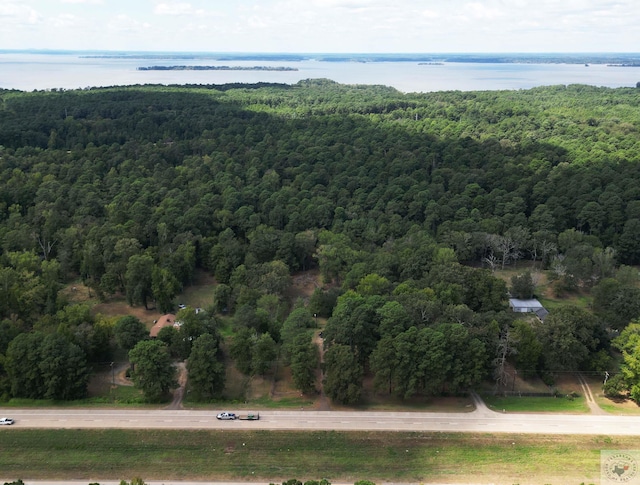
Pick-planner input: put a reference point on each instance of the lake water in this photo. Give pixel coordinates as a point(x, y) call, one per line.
point(28, 72)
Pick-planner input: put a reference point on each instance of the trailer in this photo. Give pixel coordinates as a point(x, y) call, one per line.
point(249, 416)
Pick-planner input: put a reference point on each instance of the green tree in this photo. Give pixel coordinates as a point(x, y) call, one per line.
point(394, 319)
point(164, 287)
point(23, 366)
point(298, 322)
point(139, 277)
point(629, 343)
point(568, 336)
point(206, 370)
point(263, 355)
point(222, 298)
point(241, 349)
point(128, 331)
point(116, 253)
point(64, 369)
point(422, 362)
point(334, 255)
point(193, 324)
point(374, 284)
point(383, 363)
point(629, 242)
point(529, 349)
point(153, 371)
point(522, 286)
point(343, 374)
point(43, 366)
point(466, 357)
point(355, 323)
point(304, 360)
point(273, 278)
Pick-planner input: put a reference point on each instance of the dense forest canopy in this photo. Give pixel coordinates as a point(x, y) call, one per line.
point(134, 188)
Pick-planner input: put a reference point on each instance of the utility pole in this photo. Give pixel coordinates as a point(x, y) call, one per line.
point(113, 381)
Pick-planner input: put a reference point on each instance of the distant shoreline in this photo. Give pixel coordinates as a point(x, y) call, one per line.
point(217, 68)
point(405, 72)
point(609, 58)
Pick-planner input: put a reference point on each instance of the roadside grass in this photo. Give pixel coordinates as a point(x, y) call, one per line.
point(120, 396)
point(281, 455)
point(624, 407)
point(621, 407)
point(520, 394)
point(284, 402)
point(377, 401)
point(527, 404)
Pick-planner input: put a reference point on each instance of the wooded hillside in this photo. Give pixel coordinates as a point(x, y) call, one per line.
point(398, 199)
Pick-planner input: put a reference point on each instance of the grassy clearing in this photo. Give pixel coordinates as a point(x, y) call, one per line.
point(581, 301)
point(544, 290)
point(277, 456)
point(200, 294)
point(517, 404)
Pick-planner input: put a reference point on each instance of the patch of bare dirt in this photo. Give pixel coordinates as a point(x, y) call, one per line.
point(304, 284)
point(121, 309)
point(178, 394)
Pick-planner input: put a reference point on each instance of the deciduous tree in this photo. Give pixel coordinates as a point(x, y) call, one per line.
point(206, 369)
point(153, 371)
point(343, 374)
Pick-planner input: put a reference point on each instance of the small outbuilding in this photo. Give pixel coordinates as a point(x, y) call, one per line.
point(528, 306)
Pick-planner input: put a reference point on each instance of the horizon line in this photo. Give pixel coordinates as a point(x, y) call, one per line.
point(52, 50)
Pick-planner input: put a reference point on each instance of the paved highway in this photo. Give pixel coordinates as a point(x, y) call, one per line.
point(480, 420)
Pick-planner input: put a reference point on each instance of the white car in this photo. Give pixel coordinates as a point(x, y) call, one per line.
point(226, 415)
point(6, 421)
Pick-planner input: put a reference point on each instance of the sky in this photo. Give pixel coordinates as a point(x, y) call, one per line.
point(322, 26)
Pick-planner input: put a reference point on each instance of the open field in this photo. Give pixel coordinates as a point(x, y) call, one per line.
point(544, 291)
point(277, 456)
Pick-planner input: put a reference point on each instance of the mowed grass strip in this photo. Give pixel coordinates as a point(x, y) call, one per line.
point(279, 455)
point(529, 404)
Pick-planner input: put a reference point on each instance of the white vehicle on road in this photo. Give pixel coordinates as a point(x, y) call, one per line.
point(6, 421)
point(226, 415)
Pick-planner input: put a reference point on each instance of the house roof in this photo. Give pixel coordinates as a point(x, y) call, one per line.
point(533, 304)
point(167, 320)
point(541, 313)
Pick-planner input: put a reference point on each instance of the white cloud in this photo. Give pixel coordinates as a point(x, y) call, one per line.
point(88, 2)
point(124, 24)
point(430, 14)
point(17, 13)
point(174, 8)
point(346, 3)
point(326, 25)
point(481, 11)
point(64, 21)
